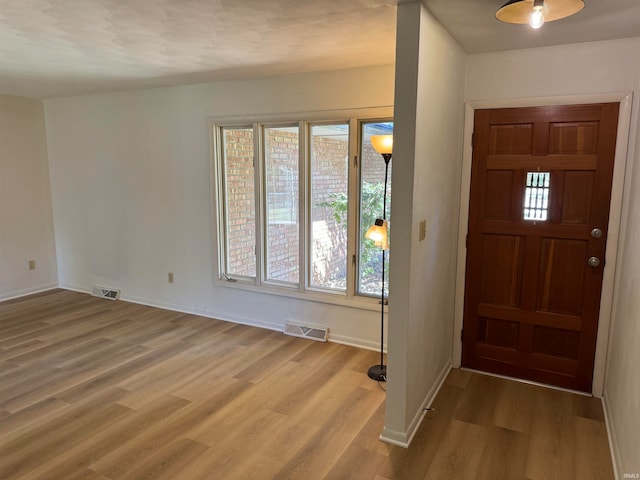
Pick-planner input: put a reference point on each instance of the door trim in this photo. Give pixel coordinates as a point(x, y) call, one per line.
point(615, 213)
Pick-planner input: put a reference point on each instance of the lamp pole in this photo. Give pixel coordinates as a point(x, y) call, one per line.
point(379, 372)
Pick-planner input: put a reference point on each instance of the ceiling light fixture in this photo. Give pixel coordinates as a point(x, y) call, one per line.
point(537, 17)
point(536, 12)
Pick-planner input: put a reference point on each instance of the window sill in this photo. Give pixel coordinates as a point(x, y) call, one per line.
point(339, 299)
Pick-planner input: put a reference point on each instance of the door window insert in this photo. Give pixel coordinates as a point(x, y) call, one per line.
point(536, 196)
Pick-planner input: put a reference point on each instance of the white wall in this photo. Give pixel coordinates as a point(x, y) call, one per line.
point(26, 228)
point(622, 381)
point(586, 69)
point(429, 115)
point(131, 189)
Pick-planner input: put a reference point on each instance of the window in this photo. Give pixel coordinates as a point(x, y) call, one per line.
point(536, 196)
point(371, 202)
point(281, 158)
point(296, 199)
point(239, 201)
point(329, 156)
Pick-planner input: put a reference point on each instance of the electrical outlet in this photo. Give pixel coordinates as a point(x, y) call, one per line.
point(170, 277)
point(32, 264)
point(423, 230)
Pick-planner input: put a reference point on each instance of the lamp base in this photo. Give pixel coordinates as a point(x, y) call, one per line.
point(378, 372)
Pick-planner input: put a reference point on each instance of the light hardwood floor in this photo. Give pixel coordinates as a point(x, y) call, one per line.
point(100, 390)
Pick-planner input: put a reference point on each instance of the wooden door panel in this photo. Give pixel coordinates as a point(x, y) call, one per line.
point(550, 369)
point(511, 139)
point(576, 186)
point(574, 138)
point(563, 367)
point(540, 182)
point(503, 259)
point(556, 342)
point(561, 276)
point(499, 333)
point(498, 196)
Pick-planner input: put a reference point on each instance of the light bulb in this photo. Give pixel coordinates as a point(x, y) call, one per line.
point(537, 18)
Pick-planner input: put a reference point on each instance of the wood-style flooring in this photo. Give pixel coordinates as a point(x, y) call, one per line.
point(101, 390)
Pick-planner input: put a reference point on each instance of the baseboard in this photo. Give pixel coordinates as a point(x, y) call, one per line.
point(74, 288)
point(27, 291)
point(252, 322)
point(204, 313)
point(403, 439)
point(613, 438)
point(354, 342)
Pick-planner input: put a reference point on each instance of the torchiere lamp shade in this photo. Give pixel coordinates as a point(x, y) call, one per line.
point(382, 143)
point(378, 233)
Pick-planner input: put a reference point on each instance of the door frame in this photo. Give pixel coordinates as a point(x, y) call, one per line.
point(615, 213)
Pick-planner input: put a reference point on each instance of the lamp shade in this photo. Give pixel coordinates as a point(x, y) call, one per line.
point(378, 233)
point(519, 11)
point(382, 143)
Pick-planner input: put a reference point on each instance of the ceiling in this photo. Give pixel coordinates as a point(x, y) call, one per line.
point(472, 23)
point(54, 48)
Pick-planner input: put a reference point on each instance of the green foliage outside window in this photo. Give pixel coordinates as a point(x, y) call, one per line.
point(372, 202)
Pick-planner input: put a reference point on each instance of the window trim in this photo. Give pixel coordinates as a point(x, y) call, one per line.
point(358, 200)
point(354, 118)
point(219, 176)
point(264, 213)
point(351, 187)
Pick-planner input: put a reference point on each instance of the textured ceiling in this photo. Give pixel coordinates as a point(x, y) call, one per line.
point(53, 48)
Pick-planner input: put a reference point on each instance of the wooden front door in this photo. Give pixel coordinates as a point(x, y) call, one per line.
point(538, 215)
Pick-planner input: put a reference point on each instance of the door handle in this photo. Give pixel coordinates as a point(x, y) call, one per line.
point(593, 262)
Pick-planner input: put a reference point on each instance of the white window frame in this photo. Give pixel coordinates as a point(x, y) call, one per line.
point(354, 118)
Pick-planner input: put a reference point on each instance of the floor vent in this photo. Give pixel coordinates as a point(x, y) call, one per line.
point(105, 293)
point(319, 334)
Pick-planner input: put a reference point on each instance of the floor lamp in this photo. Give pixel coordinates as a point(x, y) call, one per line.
point(378, 232)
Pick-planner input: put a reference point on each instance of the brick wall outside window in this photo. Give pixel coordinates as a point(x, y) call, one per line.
point(329, 176)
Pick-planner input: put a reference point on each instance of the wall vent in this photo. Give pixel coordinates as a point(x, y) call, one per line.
point(107, 293)
point(311, 332)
